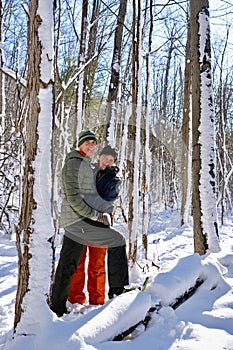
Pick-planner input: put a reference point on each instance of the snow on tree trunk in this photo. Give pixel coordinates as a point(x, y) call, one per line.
point(207, 138)
point(35, 219)
point(203, 157)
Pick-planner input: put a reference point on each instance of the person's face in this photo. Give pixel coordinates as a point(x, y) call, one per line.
point(106, 160)
point(88, 147)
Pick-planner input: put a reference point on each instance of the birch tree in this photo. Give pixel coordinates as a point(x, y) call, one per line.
point(203, 158)
point(34, 227)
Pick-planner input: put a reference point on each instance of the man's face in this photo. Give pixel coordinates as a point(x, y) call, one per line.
point(88, 147)
point(106, 160)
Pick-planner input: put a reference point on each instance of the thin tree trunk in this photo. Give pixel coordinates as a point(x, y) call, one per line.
point(78, 121)
point(2, 78)
point(90, 71)
point(147, 152)
point(186, 136)
point(222, 135)
point(135, 130)
point(111, 126)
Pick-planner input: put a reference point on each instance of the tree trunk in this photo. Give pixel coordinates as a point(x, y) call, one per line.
point(222, 136)
point(89, 74)
point(146, 136)
point(78, 122)
point(135, 130)
point(2, 78)
point(186, 136)
point(115, 74)
point(203, 165)
point(34, 226)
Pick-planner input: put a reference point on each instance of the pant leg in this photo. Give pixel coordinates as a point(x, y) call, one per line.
point(118, 274)
point(76, 294)
point(69, 258)
point(96, 275)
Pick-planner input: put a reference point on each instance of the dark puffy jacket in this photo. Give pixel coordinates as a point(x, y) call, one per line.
point(107, 183)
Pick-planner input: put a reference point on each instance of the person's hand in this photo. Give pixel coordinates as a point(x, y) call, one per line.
point(104, 218)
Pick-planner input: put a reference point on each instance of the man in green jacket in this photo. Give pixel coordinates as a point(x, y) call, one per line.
point(84, 225)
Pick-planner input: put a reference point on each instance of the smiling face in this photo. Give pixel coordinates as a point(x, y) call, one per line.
point(106, 160)
point(88, 147)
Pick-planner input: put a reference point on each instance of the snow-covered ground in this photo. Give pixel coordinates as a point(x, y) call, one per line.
point(204, 321)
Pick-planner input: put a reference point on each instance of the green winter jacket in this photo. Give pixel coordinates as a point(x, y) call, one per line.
point(77, 179)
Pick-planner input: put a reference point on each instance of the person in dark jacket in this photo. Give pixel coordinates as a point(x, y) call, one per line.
point(84, 225)
point(107, 183)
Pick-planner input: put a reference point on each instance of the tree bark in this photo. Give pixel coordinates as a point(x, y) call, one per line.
point(203, 166)
point(78, 121)
point(28, 203)
point(34, 227)
point(135, 130)
point(146, 137)
point(89, 74)
point(111, 126)
point(2, 78)
point(186, 135)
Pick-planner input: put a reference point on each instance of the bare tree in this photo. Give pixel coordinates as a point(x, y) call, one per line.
point(146, 135)
point(203, 157)
point(78, 122)
point(135, 128)
point(115, 73)
point(186, 136)
point(222, 131)
point(90, 71)
point(34, 225)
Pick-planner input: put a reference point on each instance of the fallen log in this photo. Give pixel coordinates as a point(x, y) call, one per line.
point(180, 300)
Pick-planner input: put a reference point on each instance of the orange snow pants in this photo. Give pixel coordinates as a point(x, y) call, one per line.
point(96, 277)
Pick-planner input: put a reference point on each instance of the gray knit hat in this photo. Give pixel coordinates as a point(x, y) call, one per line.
point(86, 135)
point(109, 151)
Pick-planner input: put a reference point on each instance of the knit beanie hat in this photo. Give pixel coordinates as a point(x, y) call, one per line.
point(86, 136)
point(109, 151)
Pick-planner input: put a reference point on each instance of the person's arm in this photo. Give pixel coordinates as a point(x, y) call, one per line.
point(77, 179)
point(98, 203)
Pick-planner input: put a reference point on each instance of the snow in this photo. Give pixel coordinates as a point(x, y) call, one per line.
point(122, 311)
point(207, 138)
point(203, 321)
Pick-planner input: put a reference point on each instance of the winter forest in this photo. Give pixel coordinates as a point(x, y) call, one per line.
point(153, 78)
